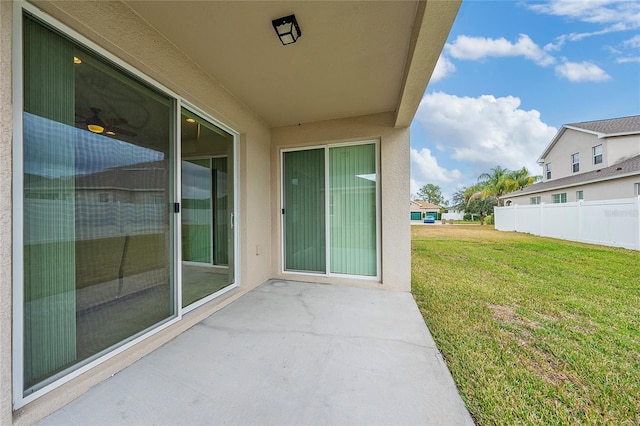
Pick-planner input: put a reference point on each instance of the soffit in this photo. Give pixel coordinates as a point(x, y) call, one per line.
point(351, 60)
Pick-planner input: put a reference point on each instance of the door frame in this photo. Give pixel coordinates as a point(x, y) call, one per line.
point(328, 273)
point(233, 210)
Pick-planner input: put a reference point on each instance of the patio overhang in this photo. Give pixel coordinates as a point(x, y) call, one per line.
point(354, 58)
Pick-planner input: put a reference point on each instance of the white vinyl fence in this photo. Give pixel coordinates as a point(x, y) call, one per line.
point(613, 223)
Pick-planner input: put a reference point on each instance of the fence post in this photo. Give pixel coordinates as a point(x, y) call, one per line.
point(638, 206)
point(515, 218)
point(541, 219)
point(579, 207)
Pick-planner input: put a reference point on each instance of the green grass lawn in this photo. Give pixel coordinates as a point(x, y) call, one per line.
point(534, 330)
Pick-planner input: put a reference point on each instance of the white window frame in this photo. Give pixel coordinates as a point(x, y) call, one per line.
point(548, 170)
point(596, 154)
point(65, 376)
point(575, 162)
point(535, 200)
point(561, 197)
point(637, 189)
point(580, 195)
point(328, 272)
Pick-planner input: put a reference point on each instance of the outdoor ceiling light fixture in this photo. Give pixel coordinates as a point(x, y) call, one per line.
point(287, 29)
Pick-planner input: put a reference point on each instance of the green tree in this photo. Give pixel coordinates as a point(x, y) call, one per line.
point(470, 200)
point(500, 181)
point(493, 184)
point(480, 205)
point(518, 179)
point(431, 194)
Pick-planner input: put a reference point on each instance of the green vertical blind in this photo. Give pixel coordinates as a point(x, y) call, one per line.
point(221, 210)
point(352, 217)
point(197, 213)
point(304, 210)
point(96, 235)
point(350, 222)
point(49, 207)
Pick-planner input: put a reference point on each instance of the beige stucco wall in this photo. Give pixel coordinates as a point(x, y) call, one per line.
point(122, 33)
point(394, 186)
point(622, 147)
point(5, 212)
point(607, 190)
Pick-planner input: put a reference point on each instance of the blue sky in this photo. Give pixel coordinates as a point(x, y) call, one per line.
point(512, 73)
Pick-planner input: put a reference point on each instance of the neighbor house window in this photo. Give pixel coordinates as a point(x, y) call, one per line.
point(548, 170)
point(560, 198)
point(597, 154)
point(534, 200)
point(637, 188)
point(575, 162)
point(579, 195)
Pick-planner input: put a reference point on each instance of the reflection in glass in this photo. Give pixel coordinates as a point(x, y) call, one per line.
point(207, 194)
point(97, 240)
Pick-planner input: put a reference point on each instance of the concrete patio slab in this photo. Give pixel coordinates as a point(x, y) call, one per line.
point(287, 353)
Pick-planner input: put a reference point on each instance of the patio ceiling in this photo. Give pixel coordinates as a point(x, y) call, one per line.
point(354, 57)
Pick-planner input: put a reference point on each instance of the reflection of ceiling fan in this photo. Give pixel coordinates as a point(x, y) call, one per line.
point(108, 126)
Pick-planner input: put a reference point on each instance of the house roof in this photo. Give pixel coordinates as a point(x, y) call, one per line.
point(426, 205)
point(625, 125)
point(601, 128)
point(628, 167)
point(354, 58)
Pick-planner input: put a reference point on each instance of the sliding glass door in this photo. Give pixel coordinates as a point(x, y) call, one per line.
point(97, 240)
point(334, 230)
point(98, 181)
point(207, 208)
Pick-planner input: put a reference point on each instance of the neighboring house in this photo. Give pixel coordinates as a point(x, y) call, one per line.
point(149, 148)
point(593, 160)
point(420, 208)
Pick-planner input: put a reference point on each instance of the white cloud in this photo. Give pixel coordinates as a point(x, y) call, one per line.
point(426, 168)
point(485, 131)
point(615, 15)
point(579, 72)
point(628, 60)
point(474, 48)
point(619, 13)
point(444, 67)
point(633, 42)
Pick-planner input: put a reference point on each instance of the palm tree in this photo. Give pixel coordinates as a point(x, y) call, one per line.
point(495, 183)
point(518, 179)
point(477, 203)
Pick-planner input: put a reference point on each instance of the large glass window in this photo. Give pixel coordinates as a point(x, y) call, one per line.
point(97, 243)
point(344, 217)
point(575, 162)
